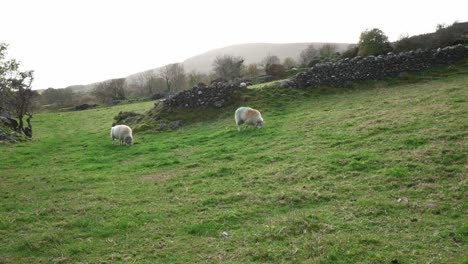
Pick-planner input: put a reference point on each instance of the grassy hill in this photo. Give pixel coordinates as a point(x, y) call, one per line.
point(373, 173)
point(456, 33)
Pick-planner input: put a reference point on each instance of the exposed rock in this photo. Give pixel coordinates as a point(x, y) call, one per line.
point(126, 118)
point(115, 102)
point(157, 96)
point(403, 200)
point(287, 84)
point(7, 120)
point(10, 122)
point(5, 114)
point(9, 135)
point(219, 103)
point(3, 135)
point(175, 124)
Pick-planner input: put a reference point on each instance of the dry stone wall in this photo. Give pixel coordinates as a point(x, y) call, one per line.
point(375, 67)
point(329, 74)
point(217, 95)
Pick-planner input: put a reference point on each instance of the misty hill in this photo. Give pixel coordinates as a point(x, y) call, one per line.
point(252, 53)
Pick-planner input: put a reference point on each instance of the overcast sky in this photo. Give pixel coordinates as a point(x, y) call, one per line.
point(85, 41)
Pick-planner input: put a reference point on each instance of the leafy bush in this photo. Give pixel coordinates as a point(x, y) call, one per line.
point(275, 70)
point(373, 42)
point(350, 53)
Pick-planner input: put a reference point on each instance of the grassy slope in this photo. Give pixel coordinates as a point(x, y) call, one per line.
point(319, 183)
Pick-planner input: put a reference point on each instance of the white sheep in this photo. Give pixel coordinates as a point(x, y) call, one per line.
point(248, 116)
point(243, 85)
point(123, 133)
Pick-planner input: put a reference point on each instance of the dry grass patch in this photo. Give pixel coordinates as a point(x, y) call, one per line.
point(157, 177)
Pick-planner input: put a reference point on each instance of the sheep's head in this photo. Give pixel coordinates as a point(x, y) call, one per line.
point(128, 140)
point(260, 123)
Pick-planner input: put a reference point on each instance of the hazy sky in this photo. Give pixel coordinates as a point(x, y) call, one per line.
point(85, 41)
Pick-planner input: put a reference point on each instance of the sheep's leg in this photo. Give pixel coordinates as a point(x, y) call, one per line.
point(113, 140)
point(239, 124)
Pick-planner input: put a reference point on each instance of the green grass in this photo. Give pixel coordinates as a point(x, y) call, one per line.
point(319, 184)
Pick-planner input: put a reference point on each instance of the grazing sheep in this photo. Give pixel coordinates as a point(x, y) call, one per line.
point(243, 84)
point(248, 116)
point(123, 133)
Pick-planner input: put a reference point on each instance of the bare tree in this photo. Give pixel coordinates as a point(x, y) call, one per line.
point(270, 60)
point(16, 95)
point(194, 78)
point(60, 97)
point(228, 67)
point(327, 51)
point(23, 99)
point(308, 54)
point(8, 69)
point(149, 83)
point(273, 66)
point(174, 77)
point(252, 70)
point(289, 63)
point(110, 90)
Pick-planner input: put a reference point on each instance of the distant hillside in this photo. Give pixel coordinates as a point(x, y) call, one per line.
point(82, 88)
point(252, 53)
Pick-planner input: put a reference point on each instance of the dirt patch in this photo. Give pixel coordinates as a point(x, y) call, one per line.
point(157, 177)
point(128, 162)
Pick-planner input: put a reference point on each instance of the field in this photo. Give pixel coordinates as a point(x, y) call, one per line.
point(374, 173)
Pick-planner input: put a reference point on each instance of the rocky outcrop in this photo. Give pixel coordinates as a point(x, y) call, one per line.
point(84, 106)
point(127, 118)
point(375, 67)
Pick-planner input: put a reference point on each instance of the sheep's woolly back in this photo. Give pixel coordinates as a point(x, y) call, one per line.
point(121, 132)
point(247, 115)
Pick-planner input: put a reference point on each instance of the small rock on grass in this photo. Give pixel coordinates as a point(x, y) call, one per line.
point(403, 200)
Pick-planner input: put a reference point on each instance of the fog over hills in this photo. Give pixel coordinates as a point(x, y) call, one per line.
point(252, 53)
